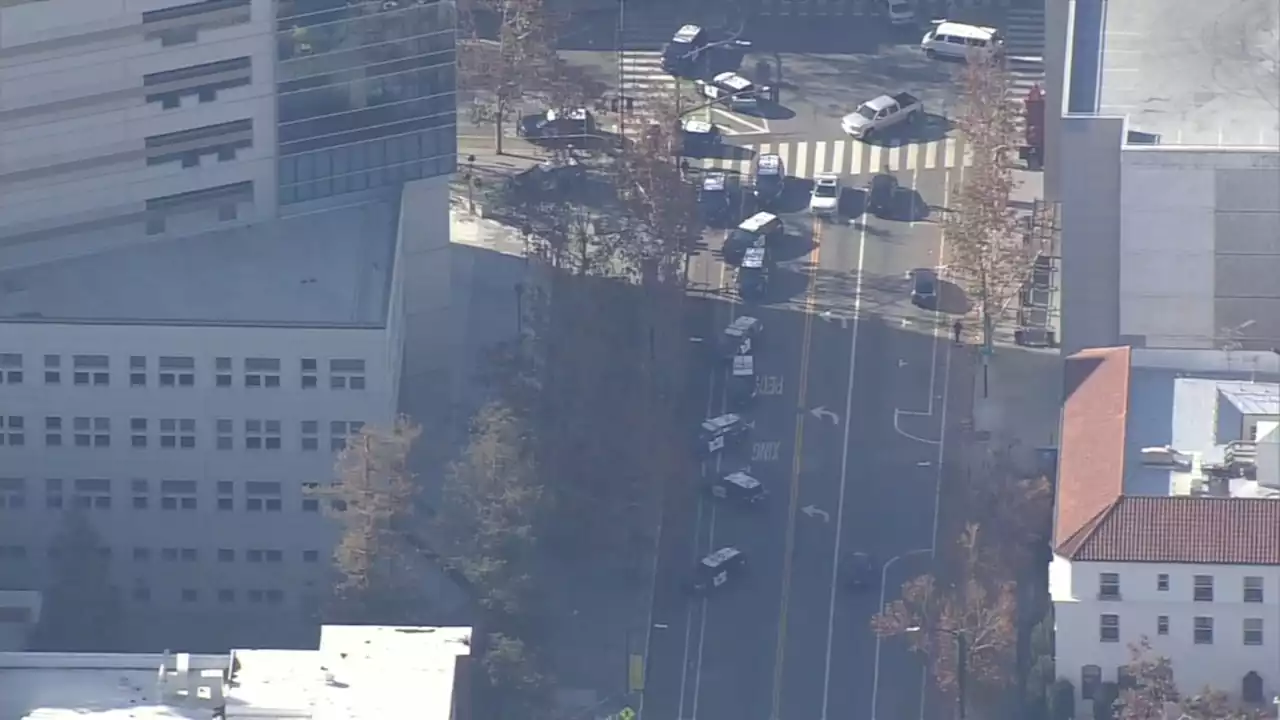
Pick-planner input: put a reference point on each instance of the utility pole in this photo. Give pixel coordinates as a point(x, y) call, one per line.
point(962, 670)
point(619, 41)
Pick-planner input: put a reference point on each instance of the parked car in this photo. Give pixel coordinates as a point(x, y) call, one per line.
point(881, 113)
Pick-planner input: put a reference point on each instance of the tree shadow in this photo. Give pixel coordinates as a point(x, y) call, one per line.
point(929, 129)
point(952, 299)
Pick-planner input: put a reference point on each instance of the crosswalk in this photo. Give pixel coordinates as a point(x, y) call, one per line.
point(646, 84)
point(806, 159)
point(1024, 49)
point(846, 8)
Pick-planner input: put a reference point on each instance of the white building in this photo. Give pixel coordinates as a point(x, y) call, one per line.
point(1167, 520)
point(1169, 178)
point(357, 673)
point(203, 263)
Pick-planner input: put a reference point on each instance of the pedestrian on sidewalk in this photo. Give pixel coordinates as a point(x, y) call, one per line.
point(957, 330)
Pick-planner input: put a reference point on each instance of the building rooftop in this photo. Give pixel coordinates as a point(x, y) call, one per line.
point(1162, 465)
point(326, 268)
point(1190, 72)
point(358, 673)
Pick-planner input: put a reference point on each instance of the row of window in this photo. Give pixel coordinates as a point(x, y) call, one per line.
point(225, 596)
point(180, 371)
point(176, 433)
point(14, 553)
point(1202, 629)
point(99, 494)
point(1201, 587)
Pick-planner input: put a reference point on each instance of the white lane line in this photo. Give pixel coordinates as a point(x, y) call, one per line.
point(913, 158)
point(802, 160)
point(895, 157)
point(844, 473)
point(949, 159)
point(855, 163)
point(819, 158)
point(874, 165)
point(784, 152)
point(837, 157)
point(931, 155)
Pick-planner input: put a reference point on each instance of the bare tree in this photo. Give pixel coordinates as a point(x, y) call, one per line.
point(506, 51)
point(1015, 511)
point(373, 500)
point(490, 502)
point(1148, 688)
point(82, 608)
point(985, 248)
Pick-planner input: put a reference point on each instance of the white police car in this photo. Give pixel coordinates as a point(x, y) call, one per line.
point(717, 432)
point(732, 89)
point(740, 333)
point(716, 570)
point(698, 137)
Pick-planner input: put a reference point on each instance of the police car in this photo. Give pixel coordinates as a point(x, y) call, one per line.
point(756, 231)
point(738, 487)
point(741, 390)
point(860, 570)
point(714, 200)
point(715, 570)
point(573, 123)
point(753, 274)
point(771, 175)
point(732, 89)
point(684, 54)
point(718, 432)
point(740, 335)
point(698, 137)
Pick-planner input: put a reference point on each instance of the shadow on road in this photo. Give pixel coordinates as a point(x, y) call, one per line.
point(952, 300)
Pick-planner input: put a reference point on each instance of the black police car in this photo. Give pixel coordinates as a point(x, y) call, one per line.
point(771, 177)
point(753, 274)
point(881, 192)
point(756, 231)
point(698, 138)
point(717, 569)
point(714, 201)
point(683, 56)
point(740, 390)
point(573, 124)
point(860, 570)
point(738, 487)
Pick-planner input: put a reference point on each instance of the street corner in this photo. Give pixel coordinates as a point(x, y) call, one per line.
point(923, 427)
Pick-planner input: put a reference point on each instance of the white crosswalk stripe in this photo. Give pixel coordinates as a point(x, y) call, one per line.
point(1024, 50)
point(645, 83)
point(805, 159)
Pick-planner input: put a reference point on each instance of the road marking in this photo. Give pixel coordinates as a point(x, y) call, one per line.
point(797, 452)
point(855, 161)
point(844, 473)
point(873, 165)
point(764, 149)
point(913, 156)
point(819, 158)
point(784, 152)
point(895, 156)
point(837, 157)
point(968, 155)
point(802, 158)
point(930, 156)
point(950, 158)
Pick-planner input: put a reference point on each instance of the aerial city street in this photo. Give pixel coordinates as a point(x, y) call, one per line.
point(830, 395)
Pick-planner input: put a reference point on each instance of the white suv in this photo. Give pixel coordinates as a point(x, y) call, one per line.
point(825, 198)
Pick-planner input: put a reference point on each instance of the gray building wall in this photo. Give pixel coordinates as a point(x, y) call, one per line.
point(1090, 196)
point(1057, 19)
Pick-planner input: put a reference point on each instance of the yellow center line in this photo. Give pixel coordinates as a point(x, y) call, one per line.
point(801, 397)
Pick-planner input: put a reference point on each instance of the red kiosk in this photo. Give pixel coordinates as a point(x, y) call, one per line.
point(1033, 149)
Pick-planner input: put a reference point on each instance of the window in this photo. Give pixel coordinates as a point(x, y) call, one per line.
point(1203, 630)
point(52, 371)
point(346, 374)
point(1162, 582)
point(92, 431)
point(13, 431)
point(177, 494)
point(308, 373)
point(340, 430)
point(190, 555)
point(310, 556)
point(190, 595)
point(13, 493)
point(1253, 631)
point(92, 493)
point(141, 491)
point(261, 372)
point(53, 431)
point(141, 593)
point(275, 597)
point(222, 372)
point(226, 432)
point(137, 371)
point(1253, 589)
point(1162, 624)
point(141, 554)
point(274, 556)
point(53, 493)
point(226, 495)
point(1109, 628)
point(138, 432)
point(310, 435)
point(226, 555)
point(11, 368)
point(255, 596)
point(91, 369)
point(1203, 591)
point(177, 371)
point(177, 432)
point(309, 502)
point(262, 496)
point(169, 554)
point(226, 595)
point(262, 434)
point(1109, 586)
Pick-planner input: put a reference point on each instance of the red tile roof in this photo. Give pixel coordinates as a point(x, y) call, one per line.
point(1095, 521)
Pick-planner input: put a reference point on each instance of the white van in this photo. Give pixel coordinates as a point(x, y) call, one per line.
point(957, 40)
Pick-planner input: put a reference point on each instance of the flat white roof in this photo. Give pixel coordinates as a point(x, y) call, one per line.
point(358, 673)
point(331, 267)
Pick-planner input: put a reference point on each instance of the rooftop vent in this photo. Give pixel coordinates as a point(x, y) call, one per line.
point(179, 684)
point(1165, 457)
point(1241, 454)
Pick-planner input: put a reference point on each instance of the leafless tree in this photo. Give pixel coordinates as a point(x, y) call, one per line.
point(985, 247)
point(506, 50)
point(1015, 512)
point(373, 500)
point(1148, 688)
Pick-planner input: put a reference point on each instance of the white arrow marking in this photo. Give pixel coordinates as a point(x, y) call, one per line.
point(902, 363)
point(826, 315)
point(811, 511)
point(821, 412)
point(923, 463)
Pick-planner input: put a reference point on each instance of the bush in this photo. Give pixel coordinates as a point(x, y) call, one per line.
point(1104, 703)
point(1062, 700)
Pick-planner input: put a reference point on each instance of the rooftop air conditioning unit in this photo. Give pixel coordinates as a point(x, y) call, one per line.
point(1165, 457)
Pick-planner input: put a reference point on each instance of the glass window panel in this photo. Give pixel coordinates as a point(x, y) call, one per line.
point(306, 169)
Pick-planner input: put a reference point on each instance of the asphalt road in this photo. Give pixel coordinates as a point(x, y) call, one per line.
point(791, 640)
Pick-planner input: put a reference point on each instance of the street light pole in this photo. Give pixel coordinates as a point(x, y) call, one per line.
point(962, 669)
point(884, 580)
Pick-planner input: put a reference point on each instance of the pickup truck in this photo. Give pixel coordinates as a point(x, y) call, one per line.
point(878, 114)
